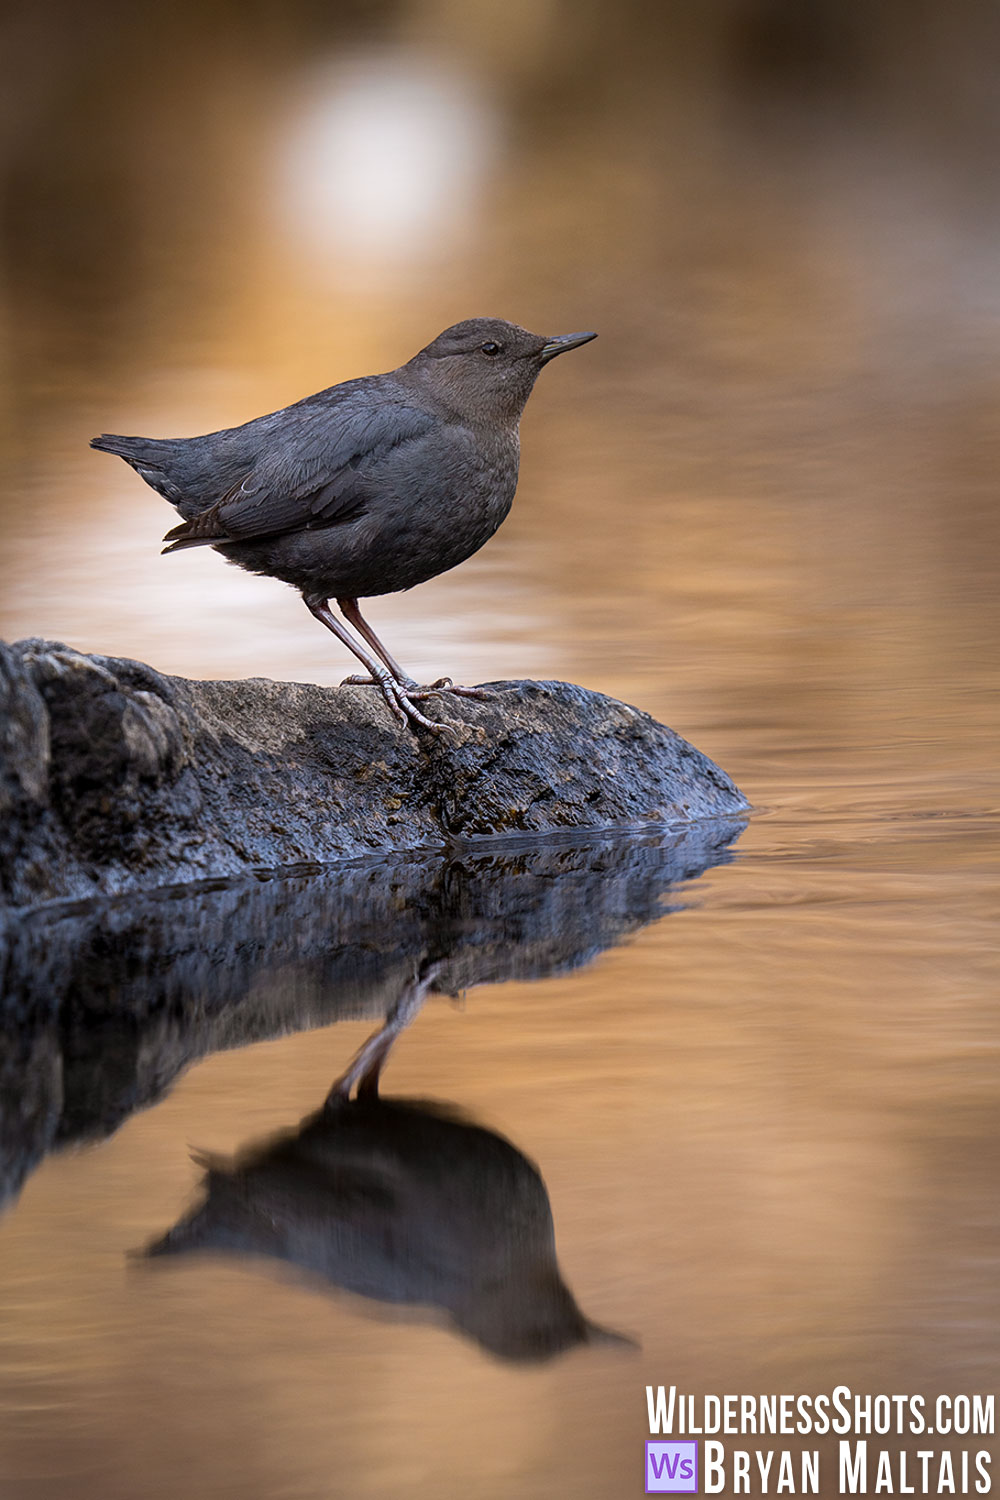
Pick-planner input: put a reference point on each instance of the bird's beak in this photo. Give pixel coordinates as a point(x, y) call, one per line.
point(598, 1335)
point(562, 343)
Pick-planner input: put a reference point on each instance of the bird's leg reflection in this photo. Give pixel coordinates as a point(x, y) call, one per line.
point(393, 692)
point(366, 1066)
point(352, 614)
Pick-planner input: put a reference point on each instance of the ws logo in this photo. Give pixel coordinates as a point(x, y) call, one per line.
point(671, 1468)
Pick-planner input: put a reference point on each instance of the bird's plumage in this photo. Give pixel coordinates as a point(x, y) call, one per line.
point(318, 482)
point(302, 466)
point(368, 487)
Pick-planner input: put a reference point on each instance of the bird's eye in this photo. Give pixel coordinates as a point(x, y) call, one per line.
point(490, 348)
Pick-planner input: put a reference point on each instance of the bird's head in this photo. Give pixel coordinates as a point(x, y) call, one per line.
point(484, 369)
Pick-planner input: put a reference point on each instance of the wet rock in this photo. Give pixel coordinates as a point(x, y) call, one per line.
point(104, 1003)
point(114, 777)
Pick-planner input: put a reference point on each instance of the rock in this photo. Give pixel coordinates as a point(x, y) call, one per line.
point(116, 778)
point(105, 1002)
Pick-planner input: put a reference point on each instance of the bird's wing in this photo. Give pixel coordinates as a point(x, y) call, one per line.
point(311, 470)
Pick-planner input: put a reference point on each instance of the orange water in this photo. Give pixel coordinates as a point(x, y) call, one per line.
point(761, 506)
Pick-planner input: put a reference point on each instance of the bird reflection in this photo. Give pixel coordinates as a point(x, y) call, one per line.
point(405, 1202)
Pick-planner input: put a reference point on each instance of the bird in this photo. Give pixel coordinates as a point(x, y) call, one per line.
point(405, 1202)
point(402, 1201)
point(366, 488)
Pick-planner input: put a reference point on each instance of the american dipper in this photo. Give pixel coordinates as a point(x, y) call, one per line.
point(366, 488)
point(402, 1202)
point(405, 1202)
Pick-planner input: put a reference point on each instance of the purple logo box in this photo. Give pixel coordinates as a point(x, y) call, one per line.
point(671, 1468)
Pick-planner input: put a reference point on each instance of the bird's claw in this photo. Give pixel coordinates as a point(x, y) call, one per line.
point(413, 689)
point(409, 685)
point(403, 694)
point(405, 710)
point(399, 696)
point(445, 685)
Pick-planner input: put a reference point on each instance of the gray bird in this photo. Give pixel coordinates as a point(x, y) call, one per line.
point(401, 1202)
point(369, 487)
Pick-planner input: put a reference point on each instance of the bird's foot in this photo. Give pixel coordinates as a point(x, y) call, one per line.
point(445, 685)
point(416, 690)
point(399, 696)
point(408, 684)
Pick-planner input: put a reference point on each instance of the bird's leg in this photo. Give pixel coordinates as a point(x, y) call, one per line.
point(352, 614)
point(365, 1067)
point(349, 609)
point(393, 692)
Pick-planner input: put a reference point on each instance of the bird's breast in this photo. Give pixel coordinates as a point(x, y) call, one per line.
point(424, 506)
point(438, 507)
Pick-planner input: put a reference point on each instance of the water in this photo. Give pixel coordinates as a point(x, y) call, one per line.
point(761, 506)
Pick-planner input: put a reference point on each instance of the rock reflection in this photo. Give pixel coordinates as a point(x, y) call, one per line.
point(104, 1005)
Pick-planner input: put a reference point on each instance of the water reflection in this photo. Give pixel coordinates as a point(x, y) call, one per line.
point(765, 511)
point(105, 1004)
point(404, 1202)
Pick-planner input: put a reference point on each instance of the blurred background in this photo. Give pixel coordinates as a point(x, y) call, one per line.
point(762, 506)
point(777, 463)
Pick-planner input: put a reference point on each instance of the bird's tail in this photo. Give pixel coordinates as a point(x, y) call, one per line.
point(156, 460)
point(139, 451)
